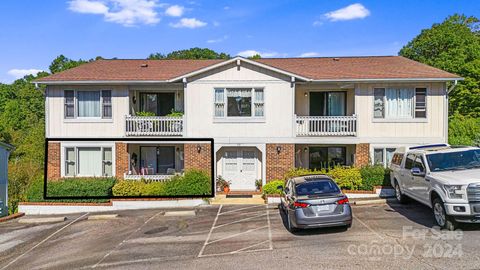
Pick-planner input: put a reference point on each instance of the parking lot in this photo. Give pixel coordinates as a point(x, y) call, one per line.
point(240, 236)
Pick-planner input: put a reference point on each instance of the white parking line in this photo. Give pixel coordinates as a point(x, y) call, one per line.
point(43, 241)
point(244, 249)
point(125, 240)
point(368, 227)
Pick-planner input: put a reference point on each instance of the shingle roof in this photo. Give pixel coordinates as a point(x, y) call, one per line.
point(320, 68)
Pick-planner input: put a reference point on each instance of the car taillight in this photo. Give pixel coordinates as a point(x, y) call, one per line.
point(343, 201)
point(301, 205)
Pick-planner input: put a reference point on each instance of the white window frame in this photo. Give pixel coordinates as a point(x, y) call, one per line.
point(226, 118)
point(384, 153)
point(81, 145)
point(413, 119)
point(76, 118)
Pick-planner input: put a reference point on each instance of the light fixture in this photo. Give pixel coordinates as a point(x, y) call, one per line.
point(305, 149)
point(279, 149)
point(199, 148)
point(134, 99)
point(306, 94)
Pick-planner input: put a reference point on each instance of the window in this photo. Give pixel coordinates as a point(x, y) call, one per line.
point(239, 102)
point(421, 103)
point(88, 104)
point(327, 157)
point(383, 156)
point(399, 103)
point(397, 159)
point(88, 161)
point(409, 161)
point(419, 164)
point(379, 103)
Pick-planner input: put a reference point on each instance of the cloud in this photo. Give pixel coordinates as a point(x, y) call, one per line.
point(20, 73)
point(309, 54)
point(188, 23)
point(351, 12)
point(217, 40)
point(174, 11)
point(250, 53)
point(124, 12)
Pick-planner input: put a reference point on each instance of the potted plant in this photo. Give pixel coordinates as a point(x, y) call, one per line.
point(222, 184)
point(258, 184)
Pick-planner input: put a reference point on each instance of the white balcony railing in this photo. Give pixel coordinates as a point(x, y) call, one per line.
point(326, 125)
point(154, 125)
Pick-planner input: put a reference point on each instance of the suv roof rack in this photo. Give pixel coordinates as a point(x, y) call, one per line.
point(428, 146)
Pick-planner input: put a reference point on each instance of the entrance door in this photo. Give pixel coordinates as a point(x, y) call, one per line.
point(240, 167)
point(160, 104)
point(156, 160)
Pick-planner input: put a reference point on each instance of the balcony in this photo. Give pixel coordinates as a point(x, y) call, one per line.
point(326, 125)
point(153, 125)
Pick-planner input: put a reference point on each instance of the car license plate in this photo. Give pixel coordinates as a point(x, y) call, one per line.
point(321, 208)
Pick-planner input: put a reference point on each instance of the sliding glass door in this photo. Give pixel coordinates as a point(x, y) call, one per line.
point(160, 104)
point(157, 159)
point(328, 103)
point(327, 157)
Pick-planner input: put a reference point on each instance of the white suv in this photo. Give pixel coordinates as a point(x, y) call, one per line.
point(445, 178)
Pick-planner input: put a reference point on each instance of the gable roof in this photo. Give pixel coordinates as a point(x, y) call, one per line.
point(368, 68)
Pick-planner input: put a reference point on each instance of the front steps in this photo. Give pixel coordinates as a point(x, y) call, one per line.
point(238, 199)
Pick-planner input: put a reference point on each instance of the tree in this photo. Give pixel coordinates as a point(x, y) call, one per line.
point(454, 46)
point(192, 53)
point(255, 56)
point(62, 63)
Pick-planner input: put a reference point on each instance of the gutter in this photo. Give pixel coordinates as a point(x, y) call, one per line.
point(455, 82)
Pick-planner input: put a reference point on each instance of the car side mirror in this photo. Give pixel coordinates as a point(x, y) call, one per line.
point(417, 172)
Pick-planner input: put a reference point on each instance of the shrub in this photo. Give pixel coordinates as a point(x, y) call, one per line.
point(272, 187)
point(193, 182)
point(346, 178)
point(78, 187)
point(295, 172)
point(463, 130)
point(375, 175)
point(138, 188)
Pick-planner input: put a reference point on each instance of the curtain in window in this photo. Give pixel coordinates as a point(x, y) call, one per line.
point(239, 92)
point(88, 103)
point(258, 102)
point(389, 156)
point(107, 161)
point(90, 161)
point(219, 102)
point(336, 104)
point(399, 103)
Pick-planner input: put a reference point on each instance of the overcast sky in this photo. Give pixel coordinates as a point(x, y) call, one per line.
point(33, 33)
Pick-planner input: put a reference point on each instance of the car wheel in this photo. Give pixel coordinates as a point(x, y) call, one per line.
point(401, 198)
point(443, 220)
point(290, 226)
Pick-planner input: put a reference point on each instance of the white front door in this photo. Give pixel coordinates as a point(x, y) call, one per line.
point(240, 168)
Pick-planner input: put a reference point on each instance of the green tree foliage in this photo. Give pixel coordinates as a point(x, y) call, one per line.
point(464, 130)
point(193, 53)
point(454, 46)
point(256, 56)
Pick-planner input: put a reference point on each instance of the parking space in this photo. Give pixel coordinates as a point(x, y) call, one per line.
point(244, 236)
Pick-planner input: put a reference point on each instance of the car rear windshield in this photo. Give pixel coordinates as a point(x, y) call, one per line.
point(458, 160)
point(317, 187)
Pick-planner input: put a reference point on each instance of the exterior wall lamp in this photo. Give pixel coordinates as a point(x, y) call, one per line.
point(199, 148)
point(279, 149)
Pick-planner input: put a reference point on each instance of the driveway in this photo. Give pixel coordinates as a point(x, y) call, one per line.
point(241, 236)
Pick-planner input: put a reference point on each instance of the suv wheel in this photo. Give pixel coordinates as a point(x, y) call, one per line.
point(443, 220)
point(399, 195)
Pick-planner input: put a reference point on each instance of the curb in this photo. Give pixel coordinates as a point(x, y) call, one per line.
point(102, 217)
point(12, 216)
point(42, 220)
point(369, 202)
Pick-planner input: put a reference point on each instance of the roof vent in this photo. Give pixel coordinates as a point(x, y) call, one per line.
point(336, 59)
point(144, 65)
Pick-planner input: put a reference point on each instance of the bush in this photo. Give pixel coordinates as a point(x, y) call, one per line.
point(272, 187)
point(295, 172)
point(69, 187)
point(463, 130)
point(375, 175)
point(346, 178)
point(138, 188)
point(193, 182)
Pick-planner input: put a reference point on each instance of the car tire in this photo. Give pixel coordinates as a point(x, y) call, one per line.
point(290, 227)
point(401, 198)
point(441, 218)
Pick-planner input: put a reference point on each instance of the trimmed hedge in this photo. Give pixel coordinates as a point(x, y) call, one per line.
point(374, 175)
point(346, 178)
point(193, 182)
point(271, 187)
point(71, 187)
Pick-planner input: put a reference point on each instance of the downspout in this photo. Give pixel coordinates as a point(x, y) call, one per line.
point(449, 90)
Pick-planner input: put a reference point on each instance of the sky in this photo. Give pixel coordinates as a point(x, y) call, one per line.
point(33, 33)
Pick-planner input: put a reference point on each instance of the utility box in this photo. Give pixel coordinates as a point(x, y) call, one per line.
point(4, 153)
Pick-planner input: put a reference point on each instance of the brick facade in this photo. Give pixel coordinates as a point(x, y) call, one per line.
point(121, 159)
point(53, 166)
point(362, 154)
point(193, 159)
point(278, 163)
